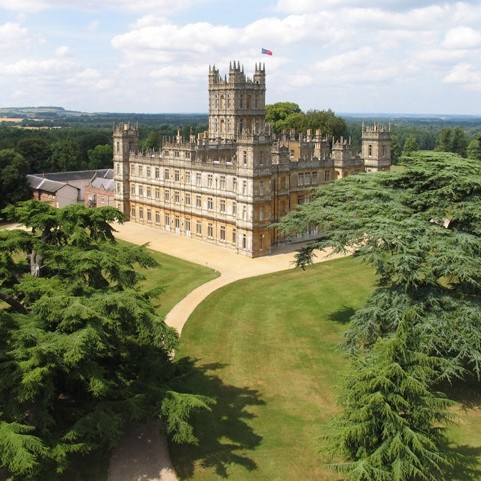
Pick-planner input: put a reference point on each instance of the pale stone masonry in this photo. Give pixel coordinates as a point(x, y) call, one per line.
point(230, 184)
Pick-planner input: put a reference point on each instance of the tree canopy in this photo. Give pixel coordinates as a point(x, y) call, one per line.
point(13, 177)
point(420, 228)
point(82, 350)
point(288, 115)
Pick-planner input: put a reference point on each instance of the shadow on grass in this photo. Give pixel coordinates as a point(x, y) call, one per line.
point(343, 316)
point(225, 436)
point(467, 466)
point(466, 391)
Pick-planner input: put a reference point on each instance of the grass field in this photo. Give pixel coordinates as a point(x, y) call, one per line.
point(266, 349)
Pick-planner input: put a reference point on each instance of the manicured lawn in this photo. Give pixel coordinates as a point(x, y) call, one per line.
point(266, 349)
point(178, 277)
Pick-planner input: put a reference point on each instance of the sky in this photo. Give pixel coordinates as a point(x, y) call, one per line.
point(153, 56)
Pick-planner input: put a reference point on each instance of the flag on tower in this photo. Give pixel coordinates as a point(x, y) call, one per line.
point(266, 52)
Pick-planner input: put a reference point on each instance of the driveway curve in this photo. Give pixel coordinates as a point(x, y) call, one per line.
point(142, 453)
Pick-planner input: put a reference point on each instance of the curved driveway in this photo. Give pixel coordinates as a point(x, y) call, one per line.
point(142, 453)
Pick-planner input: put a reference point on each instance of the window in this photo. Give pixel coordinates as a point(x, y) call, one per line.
point(117, 168)
point(210, 203)
point(177, 197)
point(244, 241)
point(222, 182)
point(261, 212)
point(157, 194)
point(314, 178)
point(187, 225)
point(187, 198)
point(176, 153)
point(141, 190)
point(149, 192)
point(209, 180)
point(222, 233)
point(187, 155)
point(167, 220)
point(244, 212)
point(300, 179)
point(369, 150)
point(222, 205)
point(139, 170)
point(166, 195)
point(166, 174)
point(244, 157)
point(132, 212)
point(261, 155)
point(177, 175)
point(327, 176)
point(141, 213)
point(234, 208)
point(261, 187)
point(210, 230)
point(149, 173)
point(132, 169)
point(234, 237)
point(177, 222)
point(234, 184)
point(198, 201)
point(244, 187)
point(157, 173)
point(157, 217)
point(187, 176)
point(198, 179)
point(261, 241)
point(132, 189)
point(149, 216)
point(198, 227)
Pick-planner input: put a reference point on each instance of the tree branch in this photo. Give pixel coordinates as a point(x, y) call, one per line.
point(19, 307)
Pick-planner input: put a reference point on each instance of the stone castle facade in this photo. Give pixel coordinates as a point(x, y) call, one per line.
point(228, 185)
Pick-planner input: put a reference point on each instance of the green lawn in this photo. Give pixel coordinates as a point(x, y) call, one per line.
point(266, 349)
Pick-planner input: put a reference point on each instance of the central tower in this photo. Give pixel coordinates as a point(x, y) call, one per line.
point(236, 103)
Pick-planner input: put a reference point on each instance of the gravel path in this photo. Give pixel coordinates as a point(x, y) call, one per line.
point(142, 453)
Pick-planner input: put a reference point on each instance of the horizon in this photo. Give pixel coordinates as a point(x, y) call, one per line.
point(388, 56)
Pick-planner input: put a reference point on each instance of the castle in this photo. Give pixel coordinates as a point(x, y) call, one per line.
point(228, 185)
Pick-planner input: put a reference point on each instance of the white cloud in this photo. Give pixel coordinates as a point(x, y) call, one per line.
point(91, 79)
point(93, 25)
point(63, 52)
point(28, 69)
point(166, 6)
point(462, 37)
point(13, 35)
point(465, 74)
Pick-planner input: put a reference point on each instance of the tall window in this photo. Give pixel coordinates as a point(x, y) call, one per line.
point(209, 180)
point(210, 203)
point(157, 217)
point(149, 216)
point(222, 233)
point(234, 184)
point(149, 192)
point(198, 227)
point(177, 197)
point(166, 195)
point(177, 175)
point(149, 173)
point(157, 194)
point(234, 208)
point(198, 179)
point(187, 176)
point(244, 187)
point(157, 173)
point(198, 201)
point(187, 225)
point(187, 198)
point(141, 190)
point(210, 230)
point(166, 174)
point(222, 182)
point(141, 213)
point(222, 205)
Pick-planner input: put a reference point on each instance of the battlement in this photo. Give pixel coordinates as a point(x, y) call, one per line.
point(237, 75)
point(378, 128)
point(125, 128)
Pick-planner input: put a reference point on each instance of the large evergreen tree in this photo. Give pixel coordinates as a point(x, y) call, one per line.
point(420, 228)
point(82, 350)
